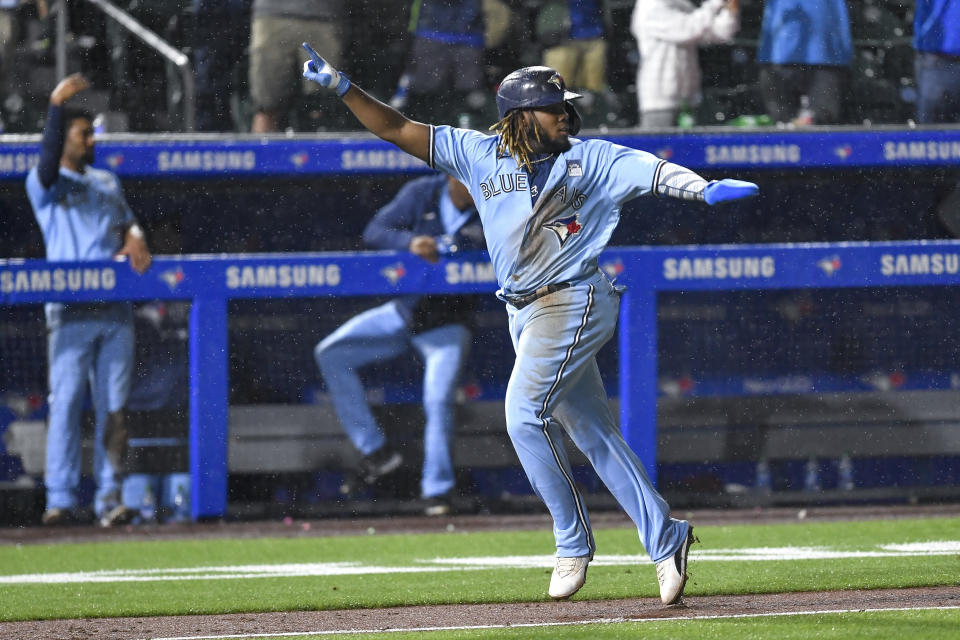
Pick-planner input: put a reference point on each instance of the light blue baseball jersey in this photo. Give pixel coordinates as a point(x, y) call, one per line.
point(83, 216)
point(559, 237)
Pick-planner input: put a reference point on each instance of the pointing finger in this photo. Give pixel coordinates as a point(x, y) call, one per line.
point(317, 59)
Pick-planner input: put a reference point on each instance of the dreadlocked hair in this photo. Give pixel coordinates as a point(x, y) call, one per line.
point(515, 138)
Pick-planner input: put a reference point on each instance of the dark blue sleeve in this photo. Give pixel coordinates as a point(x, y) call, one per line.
point(392, 226)
point(51, 147)
point(470, 235)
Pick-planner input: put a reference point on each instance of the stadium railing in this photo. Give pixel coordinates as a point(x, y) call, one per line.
point(209, 282)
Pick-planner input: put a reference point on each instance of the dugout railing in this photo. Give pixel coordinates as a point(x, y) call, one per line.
point(210, 282)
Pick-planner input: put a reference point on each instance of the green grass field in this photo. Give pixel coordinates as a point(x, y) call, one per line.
point(281, 574)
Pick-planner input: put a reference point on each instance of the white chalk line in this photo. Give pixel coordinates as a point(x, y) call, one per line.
point(480, 627)
point(477, 563)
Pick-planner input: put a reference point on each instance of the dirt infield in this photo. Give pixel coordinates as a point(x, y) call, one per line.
point(421, 617)
point(446, 616)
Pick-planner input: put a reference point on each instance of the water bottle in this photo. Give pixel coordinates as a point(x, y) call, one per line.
point(148, 505)
point(811, 476)
point(764, 481)
point(181, 504)
point(749, 121)
point(845, 473)
point(805, 115)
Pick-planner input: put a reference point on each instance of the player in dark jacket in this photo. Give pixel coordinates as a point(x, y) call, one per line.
point(429, 217)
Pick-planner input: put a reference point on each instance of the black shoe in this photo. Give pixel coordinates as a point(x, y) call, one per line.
point(58, 517)
point(118, 516)
point(371, 468)
point(441, 505)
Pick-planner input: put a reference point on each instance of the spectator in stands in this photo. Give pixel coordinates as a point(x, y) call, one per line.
point(8, 45)
point(221, 29)
point(430, 217)
point(138, 73)
point(936, 38)
point(83, 215)
point(444, 74)
point(805, 53)
point(277, 30)
point(509, 29)
point(572, 34)
point(668, 34)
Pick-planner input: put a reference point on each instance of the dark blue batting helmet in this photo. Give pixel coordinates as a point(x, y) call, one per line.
point(532, 87)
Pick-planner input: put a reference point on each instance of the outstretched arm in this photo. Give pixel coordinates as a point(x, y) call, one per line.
point(379, 119)
point(673, 181)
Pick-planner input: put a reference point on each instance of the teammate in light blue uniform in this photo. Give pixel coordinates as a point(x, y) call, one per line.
point(429, 217)
point(84, 216)
point(548, 203)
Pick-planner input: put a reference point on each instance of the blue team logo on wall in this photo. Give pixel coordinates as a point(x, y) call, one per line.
point(173, 277)
point(830, 265)
point(565, 227)
point(394, 272)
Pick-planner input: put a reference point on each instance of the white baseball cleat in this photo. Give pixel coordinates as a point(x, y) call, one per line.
point(672, 572)
point(569, 574)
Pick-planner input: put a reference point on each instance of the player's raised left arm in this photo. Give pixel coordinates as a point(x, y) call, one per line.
point(381, 120)
point(673, 181)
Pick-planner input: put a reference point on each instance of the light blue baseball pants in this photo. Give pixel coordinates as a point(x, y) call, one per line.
point(379, 334)
point(556, 386)
point(92, 348)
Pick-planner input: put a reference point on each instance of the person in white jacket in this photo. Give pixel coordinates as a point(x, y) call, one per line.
point(669, 33)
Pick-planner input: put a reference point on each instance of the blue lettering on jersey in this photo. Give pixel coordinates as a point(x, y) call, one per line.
point(504, 183)
point(577, 198)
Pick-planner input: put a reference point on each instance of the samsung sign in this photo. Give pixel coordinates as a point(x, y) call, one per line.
point(40, 280)
point(721, 268)
point(914, 264)
point(283, 276)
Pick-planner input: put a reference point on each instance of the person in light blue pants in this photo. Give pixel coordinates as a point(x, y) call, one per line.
point(548, 203)
point(83, 215)
point(429, 217)
point(95, 348)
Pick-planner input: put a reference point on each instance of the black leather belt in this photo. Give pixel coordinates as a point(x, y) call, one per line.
point(519, 302)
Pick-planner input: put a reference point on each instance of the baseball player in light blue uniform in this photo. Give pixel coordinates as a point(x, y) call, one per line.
point(84, 216)
point(430, 217)
point(549, 203)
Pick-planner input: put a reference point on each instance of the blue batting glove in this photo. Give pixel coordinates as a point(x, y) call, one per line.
point(323, 73)
point(727, 190)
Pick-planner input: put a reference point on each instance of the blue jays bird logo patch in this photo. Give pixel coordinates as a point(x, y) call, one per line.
point(556, 80)
point(394, 272)
point(565, 227)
